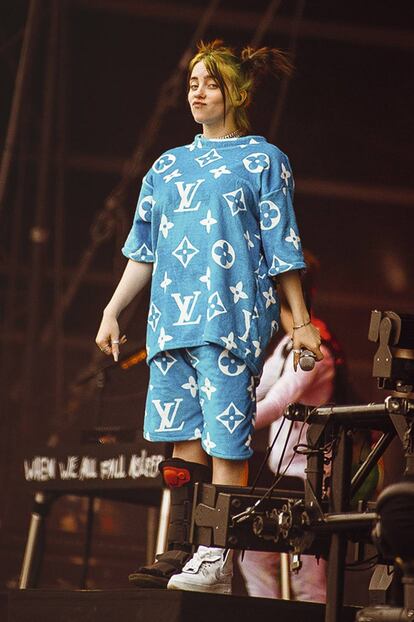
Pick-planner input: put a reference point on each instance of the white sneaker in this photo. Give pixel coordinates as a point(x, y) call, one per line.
point(209, 570)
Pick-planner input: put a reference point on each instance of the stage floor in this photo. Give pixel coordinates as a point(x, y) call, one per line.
point(135, 605)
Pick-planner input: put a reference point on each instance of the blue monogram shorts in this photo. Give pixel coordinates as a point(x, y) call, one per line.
point(205, 393)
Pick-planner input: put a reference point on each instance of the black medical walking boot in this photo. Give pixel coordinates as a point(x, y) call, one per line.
point(180, 477)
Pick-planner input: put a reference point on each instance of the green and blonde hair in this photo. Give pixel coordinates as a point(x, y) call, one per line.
point(237, 76)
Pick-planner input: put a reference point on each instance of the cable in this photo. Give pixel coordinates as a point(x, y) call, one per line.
point(266, 458)
point(245, 515)
point(282, 455)
point(363, 564)
point(279, 475)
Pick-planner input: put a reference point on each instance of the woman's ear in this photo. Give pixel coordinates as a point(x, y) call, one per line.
point(241, 98)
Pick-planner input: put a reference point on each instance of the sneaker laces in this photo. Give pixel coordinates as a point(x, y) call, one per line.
point(202, 558)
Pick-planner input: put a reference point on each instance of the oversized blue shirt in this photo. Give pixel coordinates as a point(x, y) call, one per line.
point(217, 220)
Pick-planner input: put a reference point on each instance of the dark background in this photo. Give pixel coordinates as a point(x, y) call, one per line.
point(346, 124)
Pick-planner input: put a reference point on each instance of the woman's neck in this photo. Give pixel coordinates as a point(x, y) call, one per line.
point(219, 131)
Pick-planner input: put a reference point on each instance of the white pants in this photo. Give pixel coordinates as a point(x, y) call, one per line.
point(260, 572)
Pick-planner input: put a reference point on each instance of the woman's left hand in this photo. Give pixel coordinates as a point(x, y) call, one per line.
point(306, 338)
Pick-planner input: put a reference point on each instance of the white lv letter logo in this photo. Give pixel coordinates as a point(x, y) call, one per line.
point(167, 418)
point(187, 193)
point(186, 305)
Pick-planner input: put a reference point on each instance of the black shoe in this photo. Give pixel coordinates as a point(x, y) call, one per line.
point(158, 574)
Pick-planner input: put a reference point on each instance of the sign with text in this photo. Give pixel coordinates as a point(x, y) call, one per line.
point(94, 466)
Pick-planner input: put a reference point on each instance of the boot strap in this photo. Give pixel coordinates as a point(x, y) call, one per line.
point(166, 564)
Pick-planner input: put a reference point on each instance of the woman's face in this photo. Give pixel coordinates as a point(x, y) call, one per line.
point(205, 98)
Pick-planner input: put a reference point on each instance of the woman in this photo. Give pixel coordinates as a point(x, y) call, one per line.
point(214, 229)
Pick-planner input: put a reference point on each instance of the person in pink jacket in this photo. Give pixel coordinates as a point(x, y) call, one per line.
point(279, 386)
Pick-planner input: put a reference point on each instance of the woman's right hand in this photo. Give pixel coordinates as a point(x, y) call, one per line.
point(136, 275)
point(107, 338)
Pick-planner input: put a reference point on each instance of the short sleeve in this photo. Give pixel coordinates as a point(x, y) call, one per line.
point(138, 245)
point(279, 230)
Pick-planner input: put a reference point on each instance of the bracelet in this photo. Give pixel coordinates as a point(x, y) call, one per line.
point(301, 325)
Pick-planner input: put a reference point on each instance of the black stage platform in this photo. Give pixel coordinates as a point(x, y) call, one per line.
point(133, 605)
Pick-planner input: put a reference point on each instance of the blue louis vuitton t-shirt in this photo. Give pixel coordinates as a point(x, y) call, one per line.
point(217, 220)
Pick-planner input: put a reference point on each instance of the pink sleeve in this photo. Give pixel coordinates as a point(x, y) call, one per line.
point(291, 386)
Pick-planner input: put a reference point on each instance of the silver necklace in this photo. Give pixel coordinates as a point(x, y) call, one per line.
point(234, 134)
